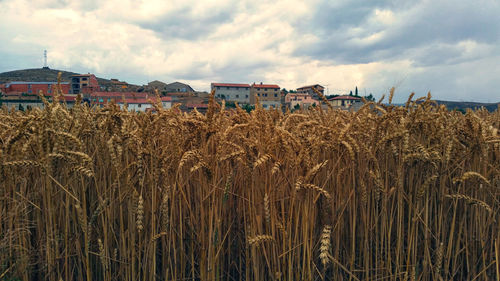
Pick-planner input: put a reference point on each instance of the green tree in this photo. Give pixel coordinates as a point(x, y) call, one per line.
point(350, 93)
point(356, 92)
point(248, 107)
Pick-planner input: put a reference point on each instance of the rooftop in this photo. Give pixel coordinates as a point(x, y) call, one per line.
point(231, 85)
point(310, 86)
point(32, 83)
point(268, 86)
point(82, 75)
point(345, 98)
point(119, 94)
point(197, 105)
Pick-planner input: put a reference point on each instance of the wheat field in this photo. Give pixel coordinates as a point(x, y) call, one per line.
point(385, 193)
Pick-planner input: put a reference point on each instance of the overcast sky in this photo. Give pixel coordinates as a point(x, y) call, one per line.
point(448, 47)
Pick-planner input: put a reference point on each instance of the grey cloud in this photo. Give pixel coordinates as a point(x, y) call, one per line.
point(184, 24)
point(423, 25)
point(469, 81)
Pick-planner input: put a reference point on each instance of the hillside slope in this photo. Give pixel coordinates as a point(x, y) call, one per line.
point(42, 75)
point(460, 105)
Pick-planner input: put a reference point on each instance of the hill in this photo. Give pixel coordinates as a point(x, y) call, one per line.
point(43, 74)
point(460, 105)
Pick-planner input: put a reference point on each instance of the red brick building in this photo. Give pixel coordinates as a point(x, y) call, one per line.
point(84, 84)
point(33, 88)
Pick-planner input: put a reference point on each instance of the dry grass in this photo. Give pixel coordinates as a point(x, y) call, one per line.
point(385, 193)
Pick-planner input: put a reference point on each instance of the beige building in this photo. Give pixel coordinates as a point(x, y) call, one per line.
point(303, 100)
point(344, 102)
point(269, 95)
point(239, 93)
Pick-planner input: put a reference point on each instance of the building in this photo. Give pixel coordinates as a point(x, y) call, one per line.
point(178, 87)
point(156, 85)
point(144, 104)
point(109, 96)
point(303, 100)
point(27, 102)
point(239, 93)
point(33, 88)
point(269, 95)
point(117, 85)
point(310, 90)
point(135, 101)
point(200, 107)
point(83, 84)
point(344, 102)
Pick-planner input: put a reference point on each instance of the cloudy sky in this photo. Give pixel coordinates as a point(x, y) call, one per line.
point(448, 47)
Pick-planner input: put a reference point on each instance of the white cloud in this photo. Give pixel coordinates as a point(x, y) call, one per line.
point(372, 45)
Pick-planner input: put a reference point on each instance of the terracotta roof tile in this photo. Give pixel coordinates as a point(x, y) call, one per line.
point(268, 86)
point(230, 85)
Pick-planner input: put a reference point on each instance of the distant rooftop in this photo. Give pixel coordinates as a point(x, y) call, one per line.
point(85, 75)
point(33, 83)
point(269, 86)
point(310, 86)
point(345, 98)
point(231, 85)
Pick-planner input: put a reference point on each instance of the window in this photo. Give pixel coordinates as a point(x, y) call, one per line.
point(218, 88)
point(265, 89)
point(275, 90)
point(139, 105)
point(237, 96)
point(101, 100)
point(246, 88)
point(265, 95)
point(227, 88)
point(275, 95)
point(84, 79)
point(246, 96)
point(258, 95)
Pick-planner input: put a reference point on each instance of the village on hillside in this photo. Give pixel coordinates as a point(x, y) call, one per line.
point(27, 94)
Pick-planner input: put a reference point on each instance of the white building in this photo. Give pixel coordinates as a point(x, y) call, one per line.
point(239, 93)
point(145, 104)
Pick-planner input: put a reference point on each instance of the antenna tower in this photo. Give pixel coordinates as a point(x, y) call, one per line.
point(45, 59)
